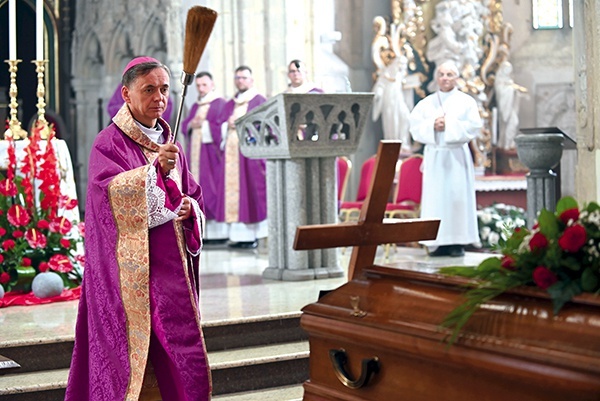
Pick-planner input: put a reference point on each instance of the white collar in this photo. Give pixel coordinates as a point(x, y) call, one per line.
point(155, 133)
point(246, 96)
point(209, 97)
point(304, 88)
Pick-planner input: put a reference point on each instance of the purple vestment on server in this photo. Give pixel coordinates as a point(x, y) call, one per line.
point(252, 189)
point(209, 158)
point(139, 304)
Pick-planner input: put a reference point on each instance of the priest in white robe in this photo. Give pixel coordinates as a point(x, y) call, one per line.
point(445, 122)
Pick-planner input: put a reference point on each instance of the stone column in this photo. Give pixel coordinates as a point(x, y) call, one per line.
point(540, 153)
point(586, 40)
point(300, 135)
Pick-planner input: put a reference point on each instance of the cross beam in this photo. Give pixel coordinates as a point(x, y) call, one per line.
point(372, 229)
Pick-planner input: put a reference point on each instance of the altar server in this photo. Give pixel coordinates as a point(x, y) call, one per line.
point(445, 122)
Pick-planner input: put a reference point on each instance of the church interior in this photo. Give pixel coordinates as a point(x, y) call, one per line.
point(280, 319)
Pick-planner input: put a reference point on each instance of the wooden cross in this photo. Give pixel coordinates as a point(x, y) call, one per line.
point(371, 229)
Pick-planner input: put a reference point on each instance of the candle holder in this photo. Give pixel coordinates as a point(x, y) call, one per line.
point(41, 123)
point(14, 125)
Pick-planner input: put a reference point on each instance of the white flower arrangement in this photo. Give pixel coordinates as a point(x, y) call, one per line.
point(497, 221)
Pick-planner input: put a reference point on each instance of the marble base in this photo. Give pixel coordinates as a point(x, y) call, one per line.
point(274, 273)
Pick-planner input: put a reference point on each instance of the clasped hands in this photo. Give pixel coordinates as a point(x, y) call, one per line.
point(439, 124)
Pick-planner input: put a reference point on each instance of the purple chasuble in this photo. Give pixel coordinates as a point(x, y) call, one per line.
point(139, 301)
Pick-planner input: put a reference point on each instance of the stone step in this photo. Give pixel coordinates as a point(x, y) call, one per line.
point(252, 331)
point(42, 351)
point(284, 393)
point(233, 371)
point(260, 367)
point(48, 385)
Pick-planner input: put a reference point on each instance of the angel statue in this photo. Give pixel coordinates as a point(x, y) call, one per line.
point(508, 99)
point(389, 101)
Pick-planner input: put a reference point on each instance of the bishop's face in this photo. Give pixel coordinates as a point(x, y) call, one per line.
point(147, 96)
point(446, 79)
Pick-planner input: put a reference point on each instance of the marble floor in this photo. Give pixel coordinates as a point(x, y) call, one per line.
point(232, 289)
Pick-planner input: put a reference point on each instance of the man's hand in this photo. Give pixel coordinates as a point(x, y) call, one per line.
point(186, 209)
point(231, 122)
point(167, 157)
point(439, 124)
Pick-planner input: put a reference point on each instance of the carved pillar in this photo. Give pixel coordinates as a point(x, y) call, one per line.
point(586, 40)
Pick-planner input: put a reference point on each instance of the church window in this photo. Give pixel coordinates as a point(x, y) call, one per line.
point(551, 14)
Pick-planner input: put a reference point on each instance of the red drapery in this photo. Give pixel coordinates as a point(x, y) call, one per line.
point(19, 298)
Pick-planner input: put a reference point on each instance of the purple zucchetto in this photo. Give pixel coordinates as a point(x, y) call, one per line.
point(139, 60)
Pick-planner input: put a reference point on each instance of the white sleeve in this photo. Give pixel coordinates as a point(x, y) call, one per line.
point(157, 212)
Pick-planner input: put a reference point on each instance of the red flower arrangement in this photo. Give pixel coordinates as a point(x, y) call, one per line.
point(560, 254)
point(34, 236)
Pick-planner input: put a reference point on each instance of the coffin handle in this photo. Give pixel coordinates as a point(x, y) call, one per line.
point(369, 368)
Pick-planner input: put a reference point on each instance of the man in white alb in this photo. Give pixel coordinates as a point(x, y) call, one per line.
point(445, 122)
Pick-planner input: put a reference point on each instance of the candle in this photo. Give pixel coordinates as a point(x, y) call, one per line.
point(12, 30)
point(39, 29)
point(494, 126)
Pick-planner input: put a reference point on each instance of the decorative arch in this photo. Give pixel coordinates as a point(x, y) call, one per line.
point(154, 39)
point(91, 63)
point(121, 50)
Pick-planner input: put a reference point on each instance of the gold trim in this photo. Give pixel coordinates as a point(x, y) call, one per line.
point(127, 196)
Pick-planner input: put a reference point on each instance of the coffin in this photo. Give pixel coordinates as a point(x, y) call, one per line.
point(378, 338)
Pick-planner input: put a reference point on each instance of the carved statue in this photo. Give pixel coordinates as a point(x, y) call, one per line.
point(392, 69)
point(508, 98)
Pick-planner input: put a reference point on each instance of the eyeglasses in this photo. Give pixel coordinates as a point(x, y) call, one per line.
point(293, 71)
point(238, 78)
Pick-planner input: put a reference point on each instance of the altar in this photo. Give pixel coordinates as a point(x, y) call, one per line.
point(64, 163)
point(508, 189)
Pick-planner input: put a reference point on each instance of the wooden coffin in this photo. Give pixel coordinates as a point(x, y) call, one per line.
point(387, 321)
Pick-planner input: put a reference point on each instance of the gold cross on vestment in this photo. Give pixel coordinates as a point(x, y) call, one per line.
point(371, 229)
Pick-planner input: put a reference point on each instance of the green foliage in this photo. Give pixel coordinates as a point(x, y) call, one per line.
point(496, 222)
point(560, 254)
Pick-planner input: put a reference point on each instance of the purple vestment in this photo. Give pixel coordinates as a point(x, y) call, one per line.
point(139, 301)
point(116, 101)
point(210, 163)
point(252, 178)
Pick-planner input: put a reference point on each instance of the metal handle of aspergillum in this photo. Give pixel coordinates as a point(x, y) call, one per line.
point(186, 80)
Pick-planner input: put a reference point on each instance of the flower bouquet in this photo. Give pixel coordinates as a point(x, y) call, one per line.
point(560, 255)
point(34, 236)
point(497, 221)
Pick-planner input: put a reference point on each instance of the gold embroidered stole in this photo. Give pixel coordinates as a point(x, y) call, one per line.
point(127, 193)
point(232, 168)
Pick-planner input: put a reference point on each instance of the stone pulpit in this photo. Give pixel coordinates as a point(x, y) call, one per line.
point(300, 135)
